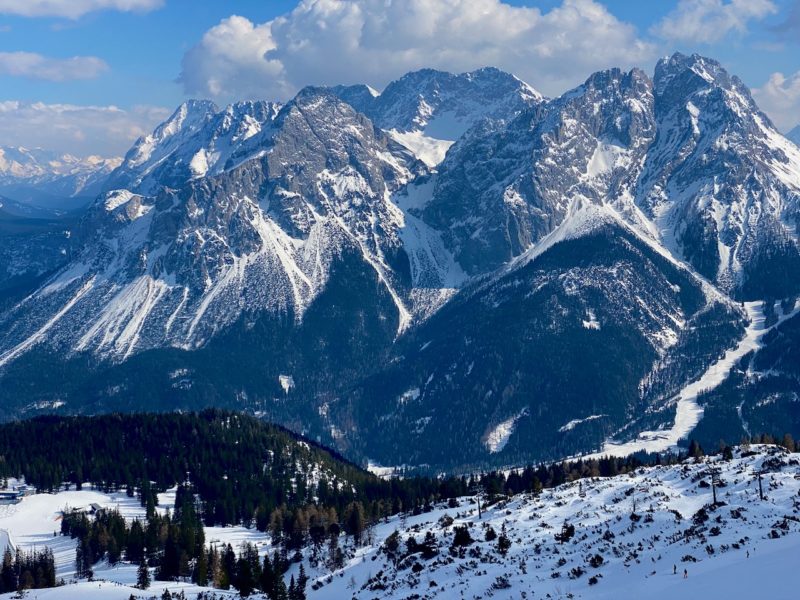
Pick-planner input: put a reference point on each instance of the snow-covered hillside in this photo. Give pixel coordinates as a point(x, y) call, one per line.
point(741, 545)
point(634, 535)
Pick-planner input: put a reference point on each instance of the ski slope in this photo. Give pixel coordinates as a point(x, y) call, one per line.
point(688, 412)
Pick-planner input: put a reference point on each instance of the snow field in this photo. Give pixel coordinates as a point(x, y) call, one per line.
point(637, 554)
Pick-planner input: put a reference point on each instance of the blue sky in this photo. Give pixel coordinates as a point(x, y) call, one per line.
point(91, 75)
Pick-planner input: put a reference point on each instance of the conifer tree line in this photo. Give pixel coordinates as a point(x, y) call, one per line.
point(244, 471)
point(27, 570)
point(231, 469)
point(173, 547)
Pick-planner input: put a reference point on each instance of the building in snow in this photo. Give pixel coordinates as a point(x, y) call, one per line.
point(11, 497)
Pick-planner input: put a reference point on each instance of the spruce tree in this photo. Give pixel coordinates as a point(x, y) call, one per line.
point(8, 575)
point(267, 582)
point(302, 581)
point(143, 575)
point(503, 542)
point(200, 576)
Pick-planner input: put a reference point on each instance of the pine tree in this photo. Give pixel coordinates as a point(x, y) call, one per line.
point(214, 568)
point(143, 575)
point(302, 581)
point(200, 576)
point(279, 591)
point(695, 450)
point(8, 575)
point(267, 581)
point(244, 582)
point(354, 521)
point(503, 542)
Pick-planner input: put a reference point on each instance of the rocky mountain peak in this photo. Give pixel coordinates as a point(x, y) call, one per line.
point(720, 183)
point(427, 110)
point(197, 139)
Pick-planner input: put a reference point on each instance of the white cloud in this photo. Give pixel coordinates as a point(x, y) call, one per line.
point(230, 60)
point(709, 21)
point(36, 66)
point(327, 42)
point(73, 9)
point(779, 97)
point(79, 130)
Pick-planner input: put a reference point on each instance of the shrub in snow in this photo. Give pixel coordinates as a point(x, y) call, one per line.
point(596, 561)
point(461, 537)
point(501, 583)
point(491, 534)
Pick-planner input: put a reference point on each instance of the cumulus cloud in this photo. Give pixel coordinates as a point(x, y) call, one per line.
point(230, 60)
point(36, 66)
point(79, 130)
point(709, 21)
point(779, 97)
point(73, 9)
point(327, 42)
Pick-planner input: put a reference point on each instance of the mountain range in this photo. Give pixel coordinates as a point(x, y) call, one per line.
point(454, 272)
point(41, 181)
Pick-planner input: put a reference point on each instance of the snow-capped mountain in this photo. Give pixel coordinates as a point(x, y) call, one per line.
point(174, 268)
point(561, 322)
point(429, 110)
point(198, 139)
point(315, 253)
point(794, 135)
point(43, 178)
point(499, 192)
point(721, 184)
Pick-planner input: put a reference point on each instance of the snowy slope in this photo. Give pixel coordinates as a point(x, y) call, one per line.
point(743, 547)
point(688, 412)
point(637, 556)
point(428, 110)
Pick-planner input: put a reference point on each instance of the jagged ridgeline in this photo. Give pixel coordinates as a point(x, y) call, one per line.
point(453, 272)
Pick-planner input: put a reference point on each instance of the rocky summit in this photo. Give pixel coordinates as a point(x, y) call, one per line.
point(452, 273)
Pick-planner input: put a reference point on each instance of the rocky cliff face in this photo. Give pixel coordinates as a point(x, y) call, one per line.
point(499, 193)
point(720, 183)
point(340, 265)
